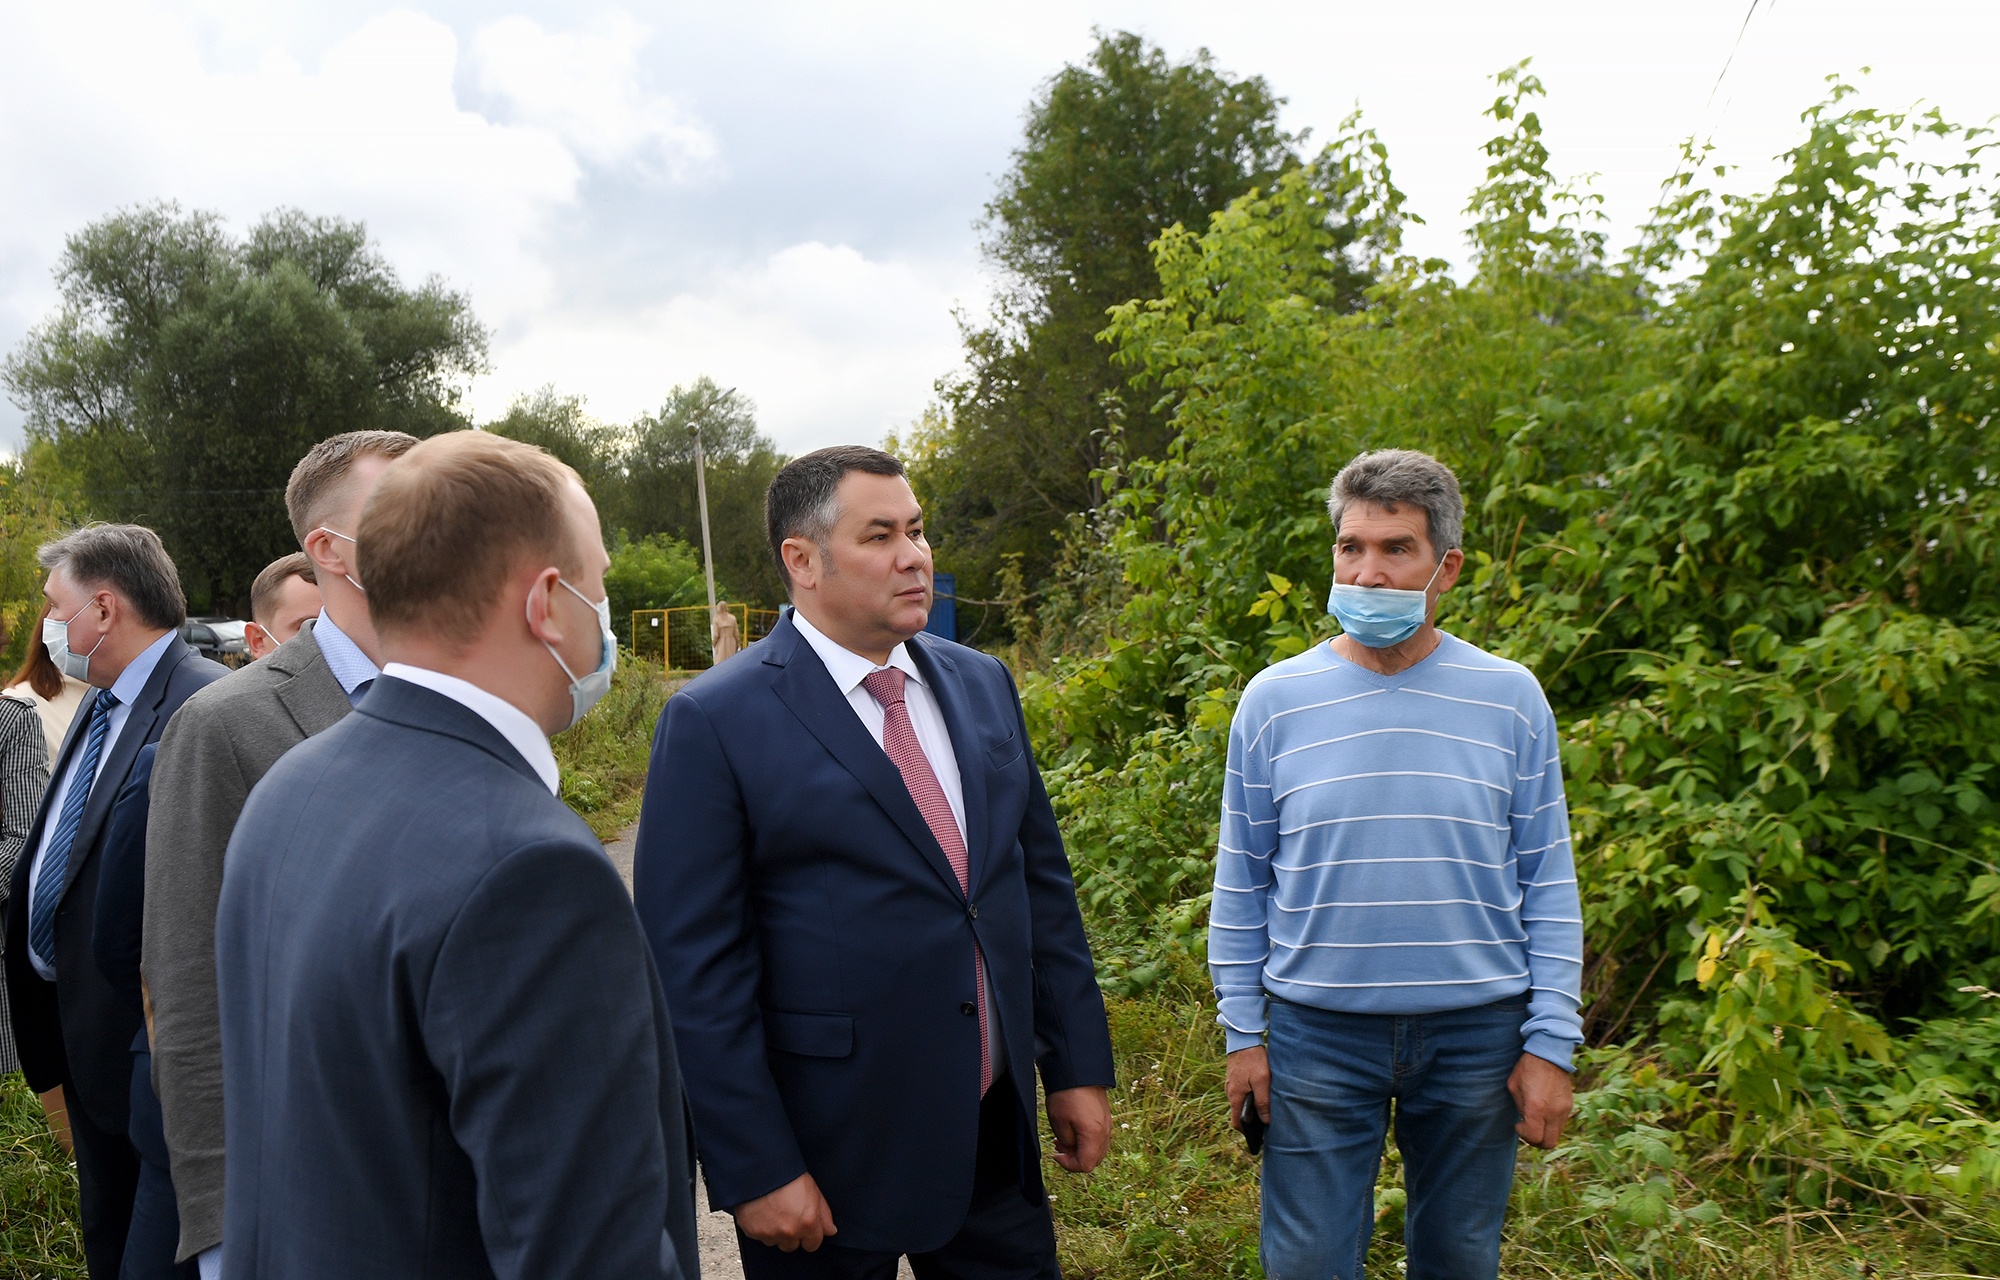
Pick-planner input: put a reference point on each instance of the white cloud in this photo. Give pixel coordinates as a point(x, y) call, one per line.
point(584, 87)
point(373, 132)
point(831, 345)
point(134, 105)
point(781, 196)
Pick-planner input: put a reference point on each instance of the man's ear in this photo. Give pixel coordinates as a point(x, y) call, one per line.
point(801, 562)
point(542, 622)
point(325, 551)
point(1454, 564)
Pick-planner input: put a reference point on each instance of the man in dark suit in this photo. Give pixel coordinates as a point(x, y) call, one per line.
point(847, 860)
point(154, 1236)
point(215, 750)
point(115, 607)
point(445, 1048)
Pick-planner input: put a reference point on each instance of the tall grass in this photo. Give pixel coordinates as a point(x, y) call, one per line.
point(1625, 1196)
point(603, 759)
point(39, 1239)
point(1634, 1191)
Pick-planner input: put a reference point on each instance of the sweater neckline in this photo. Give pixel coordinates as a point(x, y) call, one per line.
point(1429, 660)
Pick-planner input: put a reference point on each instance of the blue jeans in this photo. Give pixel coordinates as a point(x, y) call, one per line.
point(1332, 1078)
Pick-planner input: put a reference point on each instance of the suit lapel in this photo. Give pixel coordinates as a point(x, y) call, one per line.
point(948, 684)
point(110, 780)
point(313, 697)
point(804, 686)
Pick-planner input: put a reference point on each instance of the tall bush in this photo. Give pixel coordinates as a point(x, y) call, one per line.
point(1730, 497)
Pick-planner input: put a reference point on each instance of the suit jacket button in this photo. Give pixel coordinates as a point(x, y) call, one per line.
point(972, 910)
point(968, 1008)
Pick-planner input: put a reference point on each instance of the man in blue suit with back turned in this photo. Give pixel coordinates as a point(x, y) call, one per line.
point(847, 859)
point(445, 1048)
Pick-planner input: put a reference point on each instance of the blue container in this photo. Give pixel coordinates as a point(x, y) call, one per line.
point(944, 609)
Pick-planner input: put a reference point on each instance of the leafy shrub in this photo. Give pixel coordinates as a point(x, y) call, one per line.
point(656, 572)
point(1730, 498)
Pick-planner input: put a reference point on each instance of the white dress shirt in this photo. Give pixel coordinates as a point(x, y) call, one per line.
point(508, 720)
point(849, 669)
point(126, 689)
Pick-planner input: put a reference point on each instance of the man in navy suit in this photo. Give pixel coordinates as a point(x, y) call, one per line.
point(445, 1048)
point(847, 859)
point(116, 938)
point(115, 608)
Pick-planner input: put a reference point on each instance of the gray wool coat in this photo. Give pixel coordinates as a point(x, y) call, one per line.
point(221, 742)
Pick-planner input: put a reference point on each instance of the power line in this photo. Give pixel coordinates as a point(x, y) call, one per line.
point(1730, 60)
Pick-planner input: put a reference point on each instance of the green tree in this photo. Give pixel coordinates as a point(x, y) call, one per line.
point(187, 371)
point(29, 516)
point(558, 424)
point(656, 572)
point(1729, 498)
point(1115, 152)
point(659, 491)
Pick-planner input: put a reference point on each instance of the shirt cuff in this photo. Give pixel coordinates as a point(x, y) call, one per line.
point(1242, 1039)
point(1551, 1049)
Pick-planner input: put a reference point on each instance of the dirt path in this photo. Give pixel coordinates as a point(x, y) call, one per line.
point(715, 1232)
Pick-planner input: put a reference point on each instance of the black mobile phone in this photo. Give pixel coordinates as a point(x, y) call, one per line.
point(1253, 1124)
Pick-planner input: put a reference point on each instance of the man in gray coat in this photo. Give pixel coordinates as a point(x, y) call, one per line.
point(213, 753)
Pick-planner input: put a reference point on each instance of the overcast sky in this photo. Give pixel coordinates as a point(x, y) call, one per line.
point(783, 196)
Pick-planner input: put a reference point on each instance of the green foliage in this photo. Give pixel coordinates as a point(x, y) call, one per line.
point(1772, 1024)
point(642, 478)
point(39, 1231)
point(29, 516)
point(187, 371)
point(555, 422)
point(1729, 497)
point(656, 572)
point(1644, 1185)
point(1114, 152)
point(603, 759)
point(658, 494)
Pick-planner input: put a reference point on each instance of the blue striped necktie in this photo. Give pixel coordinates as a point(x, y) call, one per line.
point(49, 884)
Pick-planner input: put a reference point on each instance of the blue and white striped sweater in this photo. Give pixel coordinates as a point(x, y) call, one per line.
point(1397, 844)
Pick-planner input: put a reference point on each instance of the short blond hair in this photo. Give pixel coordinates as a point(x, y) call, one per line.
point(450, 521)
point(318, 477)
point(264, 591)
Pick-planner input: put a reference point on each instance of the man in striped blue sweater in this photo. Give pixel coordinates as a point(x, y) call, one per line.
point(1395, 915)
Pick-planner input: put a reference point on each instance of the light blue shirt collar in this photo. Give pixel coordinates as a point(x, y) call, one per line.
point(137, 672)
point(343, 657)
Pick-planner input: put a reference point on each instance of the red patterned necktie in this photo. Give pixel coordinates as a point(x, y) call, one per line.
point(899, 739)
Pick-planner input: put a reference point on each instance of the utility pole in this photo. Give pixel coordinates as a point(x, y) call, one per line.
point(701, 490)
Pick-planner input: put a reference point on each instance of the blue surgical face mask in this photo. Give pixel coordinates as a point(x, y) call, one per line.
point(585, 693)
point(55, 638)
point(1381, 617)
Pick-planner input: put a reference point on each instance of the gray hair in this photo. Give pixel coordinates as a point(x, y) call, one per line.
point(127, 558)
point(1388, 478)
